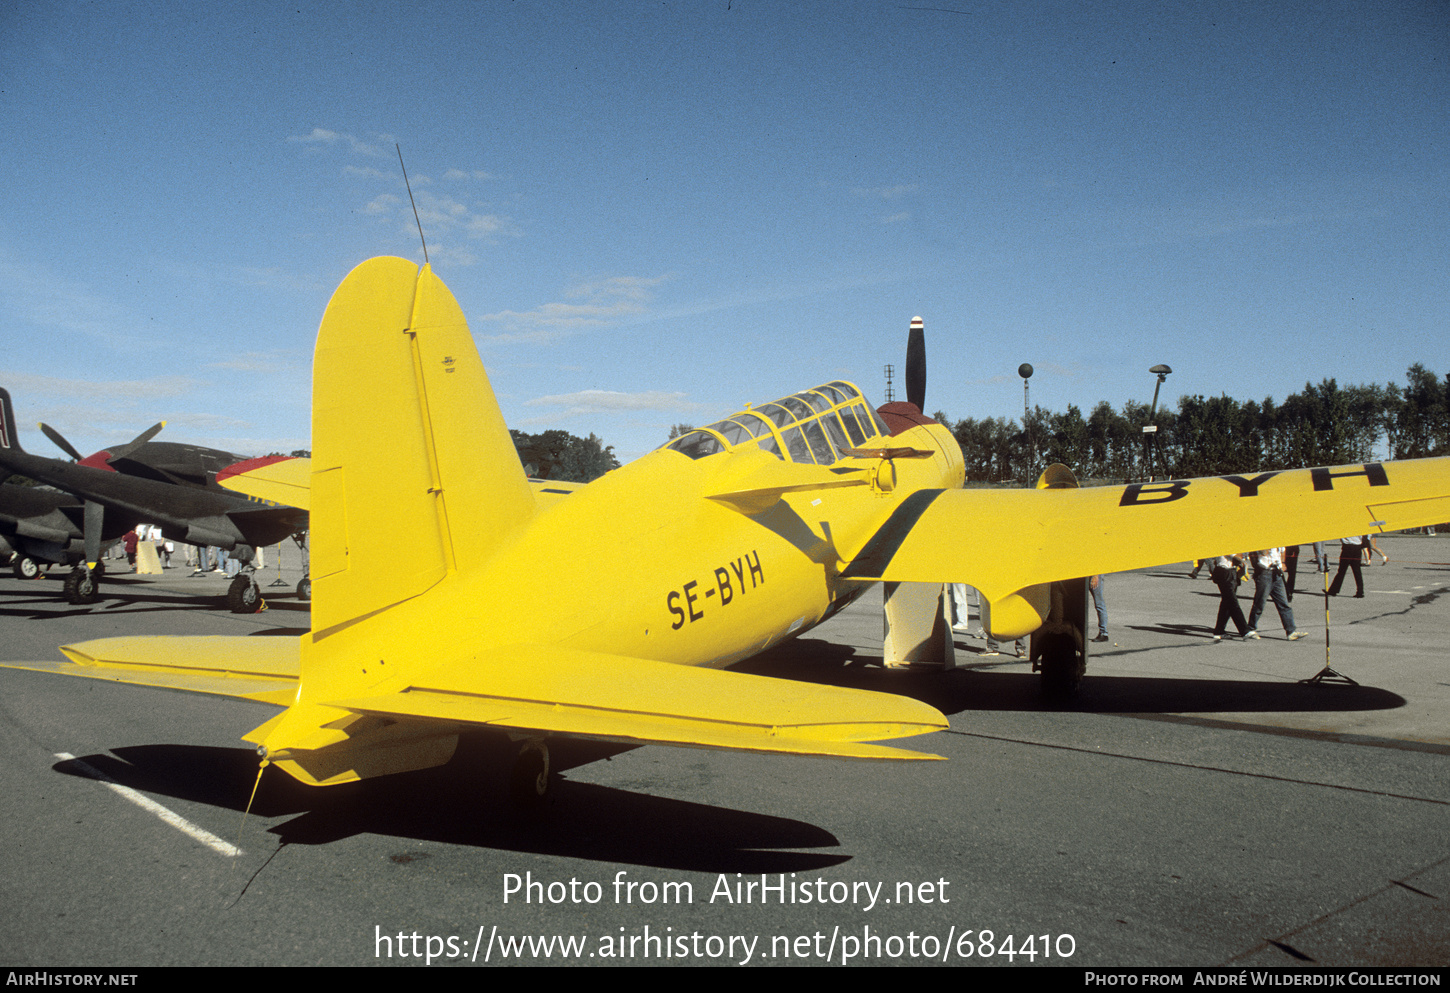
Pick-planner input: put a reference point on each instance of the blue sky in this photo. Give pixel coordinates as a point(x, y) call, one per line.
point(658, 212)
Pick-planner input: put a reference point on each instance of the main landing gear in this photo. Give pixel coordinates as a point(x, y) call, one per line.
point(1060, 646)
point(244, 596)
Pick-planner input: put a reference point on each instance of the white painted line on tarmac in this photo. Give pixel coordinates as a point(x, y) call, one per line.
point(171, 817)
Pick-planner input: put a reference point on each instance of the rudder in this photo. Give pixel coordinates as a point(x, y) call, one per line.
point(414, 474)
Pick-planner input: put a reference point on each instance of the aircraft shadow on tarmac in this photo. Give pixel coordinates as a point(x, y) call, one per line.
point(467, 803)
point(982, 687)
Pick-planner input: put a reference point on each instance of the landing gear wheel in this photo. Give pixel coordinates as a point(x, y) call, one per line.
point(82, 587)
point(25, 567)
point(243, 596)
point(530, 781)
point(1062, 666)
point(304, 589)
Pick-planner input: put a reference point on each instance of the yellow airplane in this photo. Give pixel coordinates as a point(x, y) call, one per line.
point(450, 592)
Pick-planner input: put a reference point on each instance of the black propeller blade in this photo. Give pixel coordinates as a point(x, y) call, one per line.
point(137, 442)
point(96, 513)
point(60, 441)
point(119, 452)
point(916, 364)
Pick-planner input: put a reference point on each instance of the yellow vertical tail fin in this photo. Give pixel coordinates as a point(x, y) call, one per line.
point(414, 474)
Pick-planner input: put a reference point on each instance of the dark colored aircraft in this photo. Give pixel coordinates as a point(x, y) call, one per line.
point(43, 526)
point(170, 485)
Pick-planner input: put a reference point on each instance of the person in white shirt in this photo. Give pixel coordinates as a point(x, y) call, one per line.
point(1268, 566)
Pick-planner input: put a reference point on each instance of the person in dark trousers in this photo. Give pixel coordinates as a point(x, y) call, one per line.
point(1225, 575)
point(1268, 566)
point(1351, 550)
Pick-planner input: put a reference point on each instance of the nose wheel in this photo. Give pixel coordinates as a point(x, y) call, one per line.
point(82, 586)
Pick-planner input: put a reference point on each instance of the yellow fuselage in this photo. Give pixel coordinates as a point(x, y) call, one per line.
point(643, 562)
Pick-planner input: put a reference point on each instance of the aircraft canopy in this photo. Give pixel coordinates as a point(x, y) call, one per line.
point(812, 427)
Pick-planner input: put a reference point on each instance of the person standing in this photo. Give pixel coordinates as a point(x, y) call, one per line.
point(1225, 575)
point(1291, 569)
point(1095, 583)
point(1351, 551)
point(1269, 583)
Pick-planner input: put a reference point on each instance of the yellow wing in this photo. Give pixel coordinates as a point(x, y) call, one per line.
point(1001, 541)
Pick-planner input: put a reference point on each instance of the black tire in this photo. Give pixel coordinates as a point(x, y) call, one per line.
point(1062, 667)
point(81, 587)
point(25, 567)
point(531, 778)
point(304, 589)
point(243, 595)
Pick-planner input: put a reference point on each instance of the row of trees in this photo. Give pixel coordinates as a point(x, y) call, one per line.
point(554, 455)
point(1324, 425)
point(560, 455)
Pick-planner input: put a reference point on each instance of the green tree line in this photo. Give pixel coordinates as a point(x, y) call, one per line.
point(1327, 424)
point(560, 455)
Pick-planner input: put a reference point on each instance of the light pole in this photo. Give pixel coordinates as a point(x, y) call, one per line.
point(1150, 430)
point(1025, 371)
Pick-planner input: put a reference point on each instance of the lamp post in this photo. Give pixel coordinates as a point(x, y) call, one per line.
point(1150, 430)
point(1025, 371)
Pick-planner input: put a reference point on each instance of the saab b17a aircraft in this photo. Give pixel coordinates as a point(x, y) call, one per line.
point(450, 593)
point(162, 483)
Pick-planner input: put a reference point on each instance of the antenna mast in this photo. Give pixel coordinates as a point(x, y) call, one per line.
point(410, 200)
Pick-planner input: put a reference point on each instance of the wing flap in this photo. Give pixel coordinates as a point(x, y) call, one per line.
point(261, 669)
point(1001, 541)
point(613, 698)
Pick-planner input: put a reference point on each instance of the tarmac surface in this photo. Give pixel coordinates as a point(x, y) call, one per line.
point(1195, 805)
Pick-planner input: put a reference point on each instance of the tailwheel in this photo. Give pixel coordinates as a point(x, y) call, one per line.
point(1062, 665)
point(531, 778)
point(244, 596)
point(82, 586)
point(25, 567)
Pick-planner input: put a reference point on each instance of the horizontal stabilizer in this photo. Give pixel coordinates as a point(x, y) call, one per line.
point(278, 478)
point(612, 698)
point(262, 669)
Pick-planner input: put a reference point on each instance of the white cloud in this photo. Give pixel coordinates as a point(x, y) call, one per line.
point(459, 174)
point(885, 192)
point(268, 362)
point(601, 302)
point(610, 402)
point(54, 301)
point(383, 203)
point(321, 136)
point(366, 172)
